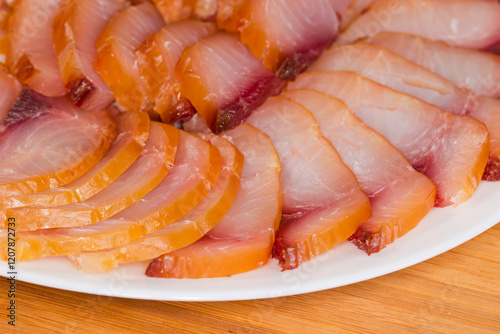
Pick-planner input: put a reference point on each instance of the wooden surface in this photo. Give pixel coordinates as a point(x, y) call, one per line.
point(456, 292)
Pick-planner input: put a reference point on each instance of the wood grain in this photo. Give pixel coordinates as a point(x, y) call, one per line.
point(456, 292)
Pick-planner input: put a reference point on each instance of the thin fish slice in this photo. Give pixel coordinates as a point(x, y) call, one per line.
point(471, 24)
point(322, 202)
point(31, 57)
point(157, 57)
point(140, 178)
point(77, 26)
point(178, 10)
point(9, 92)
point(354, 10)
point(287, 36)
point(223, 80)
point(115, 61)
point(46, 143)
point(183, 232)
point(474, 70)
point(243, 239)
point(394, 71)
point(197, 166)
point(133, 132)
point(451, 150)
point(399, 195)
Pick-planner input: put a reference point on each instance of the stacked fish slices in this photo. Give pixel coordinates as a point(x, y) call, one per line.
point(208, 137)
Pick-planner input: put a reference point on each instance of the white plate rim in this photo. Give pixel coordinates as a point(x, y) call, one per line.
point(442, 230)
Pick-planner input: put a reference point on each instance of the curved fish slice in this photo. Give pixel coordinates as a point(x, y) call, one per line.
point(197, 166)
point(394, 71)
point(31, 57)
point(353, 11)
point(474, 70)
point(287, 36)
point(471, 24)
point(183, 232)
point(133, 132)
point(77, 26)
point(9, 92)
point(243, 239)
point(399, 195)
point(157, 57)
point(154, 162)
point(223, 80)
point(47, 143)
point(322, 202)
point(178, 10)
point(451, 150)
point(115, 61)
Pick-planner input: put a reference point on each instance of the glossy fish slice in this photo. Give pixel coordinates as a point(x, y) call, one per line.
point(183, 232)
point(157, 58)
point(31, 57)
point(394, 71)
point(243, 239)
point(115, 61)
point(466, 23)
point(474, 70)
point(77, 26)
point(133, 132)
point(399, 196)
point(287, 36)
point(223, 80)
point(46, 143)
point(322, 202)
point(197, 166)
point(9, 92)
point(153, 164)
point(451, 150)
point(178, 10)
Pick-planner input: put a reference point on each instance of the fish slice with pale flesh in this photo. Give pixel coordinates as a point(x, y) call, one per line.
point(46, 143)
point(323, 204)
point(76, 28)
point(157, 58)
point(286, 35)
point(115, 61)
point(243, 239)
point(451, 150)
point(183, 232)
point(394, 71)
point(223, 80)
point(473, 24)
point(31, 56)
point(150, 168)
point(133, 132)
point(474, 70)
point(196, 169)
point(9, 92)
point(399, 195)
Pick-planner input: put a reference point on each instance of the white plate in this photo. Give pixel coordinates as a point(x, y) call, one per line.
point(440, 231)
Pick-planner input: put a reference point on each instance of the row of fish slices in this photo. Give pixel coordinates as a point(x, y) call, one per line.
point(179, 192)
